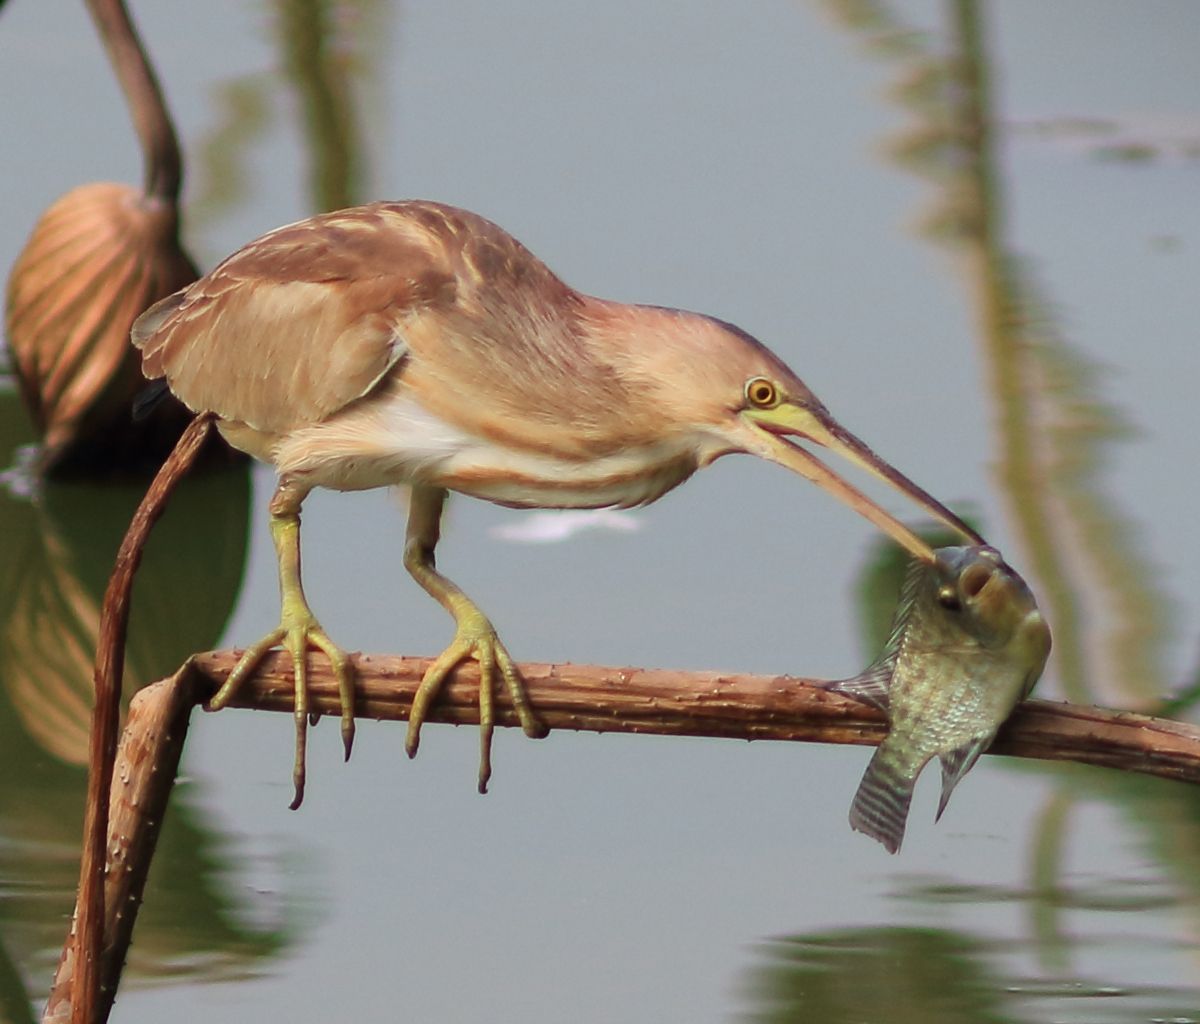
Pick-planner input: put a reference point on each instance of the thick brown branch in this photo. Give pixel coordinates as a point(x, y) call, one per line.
point(715, 704)
point(143, 776)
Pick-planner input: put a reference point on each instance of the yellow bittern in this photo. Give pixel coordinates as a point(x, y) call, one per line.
point(415, 343)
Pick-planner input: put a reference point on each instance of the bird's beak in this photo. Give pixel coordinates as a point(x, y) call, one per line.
point(769, 427)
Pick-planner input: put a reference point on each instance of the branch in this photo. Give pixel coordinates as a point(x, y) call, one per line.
point(146, 765)
point(749, 707)
point(587, 697)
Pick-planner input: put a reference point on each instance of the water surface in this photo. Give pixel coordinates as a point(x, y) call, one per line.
point(991, 278)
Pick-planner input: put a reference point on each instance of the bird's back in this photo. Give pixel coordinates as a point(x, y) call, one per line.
point(309, 318)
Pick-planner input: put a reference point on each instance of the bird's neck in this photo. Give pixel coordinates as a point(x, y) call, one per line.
point(649, 346)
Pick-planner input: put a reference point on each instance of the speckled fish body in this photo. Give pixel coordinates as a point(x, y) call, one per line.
point(967, 645)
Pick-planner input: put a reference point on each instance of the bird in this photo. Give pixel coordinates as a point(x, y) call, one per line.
point(414, 343)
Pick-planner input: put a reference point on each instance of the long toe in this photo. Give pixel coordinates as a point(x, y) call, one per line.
point(531, 724)
point(343, 671)
point(297, 637)
point(247, 664)
point(300, 637)
point(476, 639)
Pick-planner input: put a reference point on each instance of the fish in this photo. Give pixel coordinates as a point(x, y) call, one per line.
point(967, 644)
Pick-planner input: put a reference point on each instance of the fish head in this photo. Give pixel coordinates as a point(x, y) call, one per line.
point(992, 604)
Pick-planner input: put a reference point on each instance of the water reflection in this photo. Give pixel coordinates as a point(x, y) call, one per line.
point(868, 975)
point(898, 975)
point(325, 49)
point(1054, 434)
point(1052, 439)
point(319, 66)
point(1162, 817)
point(60, 543)
point(1054, 431)
point(53, 574)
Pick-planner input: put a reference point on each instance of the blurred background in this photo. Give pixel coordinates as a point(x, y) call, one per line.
point(972, 228)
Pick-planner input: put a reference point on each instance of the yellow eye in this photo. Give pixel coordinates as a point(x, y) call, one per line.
point(761, 392)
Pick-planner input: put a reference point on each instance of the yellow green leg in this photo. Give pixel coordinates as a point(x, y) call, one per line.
point(474, 637)
point(298, 630)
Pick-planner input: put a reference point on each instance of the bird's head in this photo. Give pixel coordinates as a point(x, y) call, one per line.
point(743, 398)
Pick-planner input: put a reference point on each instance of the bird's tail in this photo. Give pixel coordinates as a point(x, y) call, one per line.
point(880, 807)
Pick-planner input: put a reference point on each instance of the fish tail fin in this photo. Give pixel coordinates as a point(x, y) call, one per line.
point(880, 807)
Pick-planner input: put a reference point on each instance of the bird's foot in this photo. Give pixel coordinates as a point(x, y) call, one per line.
point(298, 631)
point(475, 638)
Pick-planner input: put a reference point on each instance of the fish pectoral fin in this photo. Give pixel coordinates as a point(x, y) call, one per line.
point(956, 764)
point(868, 687)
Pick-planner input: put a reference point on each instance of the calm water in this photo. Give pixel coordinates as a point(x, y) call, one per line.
point(997, 288)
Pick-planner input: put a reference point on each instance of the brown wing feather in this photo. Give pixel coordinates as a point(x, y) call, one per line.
point(301, 322)
point(513, 359)
point(309, 318)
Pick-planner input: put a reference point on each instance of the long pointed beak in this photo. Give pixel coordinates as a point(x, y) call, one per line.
point(770, 426)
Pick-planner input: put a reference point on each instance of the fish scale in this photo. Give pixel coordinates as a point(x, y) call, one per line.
point(967, 644)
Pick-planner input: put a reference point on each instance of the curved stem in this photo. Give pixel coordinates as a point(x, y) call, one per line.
point(87, 936)
point(160, 147)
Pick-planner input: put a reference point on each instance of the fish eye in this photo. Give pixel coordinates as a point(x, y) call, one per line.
point(948, 598)
point(974, 580)
point(761, 393)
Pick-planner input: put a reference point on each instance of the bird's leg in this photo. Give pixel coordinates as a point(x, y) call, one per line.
point(475, 637)
point(298, 630)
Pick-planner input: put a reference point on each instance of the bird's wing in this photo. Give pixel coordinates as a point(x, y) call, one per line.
point(299, 323)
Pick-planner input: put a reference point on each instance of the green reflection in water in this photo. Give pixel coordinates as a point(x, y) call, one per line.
point(867, 975)
point(54, 569)
point(1054, 429)
point(911, 975)
point(1164, 820)
point(318, 67)
point(327, 49)
point(59, 550)
point(1054, 433)
point(243, 114)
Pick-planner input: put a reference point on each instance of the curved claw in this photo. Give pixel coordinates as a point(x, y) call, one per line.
point(344, 674)
point(297, 637)
point(476, 638)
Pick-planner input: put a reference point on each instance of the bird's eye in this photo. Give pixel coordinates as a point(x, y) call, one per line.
point(761, 393)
